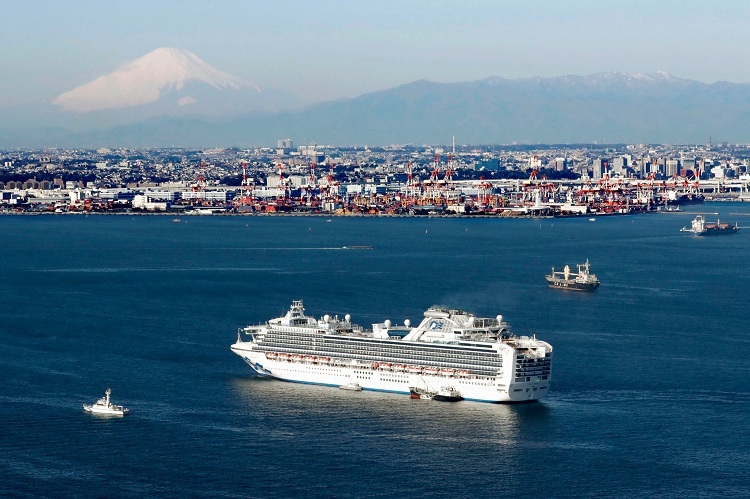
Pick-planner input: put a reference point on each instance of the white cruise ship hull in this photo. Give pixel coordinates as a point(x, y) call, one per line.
point(494, 389)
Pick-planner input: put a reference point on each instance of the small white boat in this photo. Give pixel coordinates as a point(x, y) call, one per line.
point(105, 407)
point(416, 392)
point(352, 386)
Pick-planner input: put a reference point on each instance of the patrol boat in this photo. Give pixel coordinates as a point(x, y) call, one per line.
point(105, 407)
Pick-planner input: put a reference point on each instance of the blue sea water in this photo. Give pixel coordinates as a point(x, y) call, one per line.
point(651, 377)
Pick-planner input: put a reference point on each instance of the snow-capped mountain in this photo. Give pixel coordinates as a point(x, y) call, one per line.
point(167, 81)
point(212, 110)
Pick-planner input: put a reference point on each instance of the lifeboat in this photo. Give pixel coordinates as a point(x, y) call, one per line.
point(414, 369)
point(386, 366)
point(447, 371)
point(376, 365)
point(399, 367)
point(430, 370)
point(284, 356)
point(324, 360)
point(311, 359)
point(271, 355)
point(298, 357)
point(463, 373)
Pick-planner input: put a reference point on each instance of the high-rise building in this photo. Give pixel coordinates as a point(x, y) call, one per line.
point(672, 167)
point(560, 164)
point(619, 165)
point(599, 167)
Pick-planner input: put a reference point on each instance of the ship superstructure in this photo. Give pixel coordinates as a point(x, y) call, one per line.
point(479, 357)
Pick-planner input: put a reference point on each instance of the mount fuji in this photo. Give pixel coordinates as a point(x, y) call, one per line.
point(162, 73)
point(166, 82)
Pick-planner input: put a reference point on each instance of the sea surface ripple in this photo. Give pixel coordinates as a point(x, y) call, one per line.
point(651, 380)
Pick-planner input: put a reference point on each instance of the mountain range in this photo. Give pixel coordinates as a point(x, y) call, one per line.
point(171, 98)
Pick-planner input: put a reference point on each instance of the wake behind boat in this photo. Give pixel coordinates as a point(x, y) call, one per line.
point(477, 357)
point(584, 280)
point(105, 407)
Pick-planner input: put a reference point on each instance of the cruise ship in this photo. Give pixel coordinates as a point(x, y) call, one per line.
point(479, 357)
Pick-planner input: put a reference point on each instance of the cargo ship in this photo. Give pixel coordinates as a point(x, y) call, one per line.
point(700, 227)
point(583, 280)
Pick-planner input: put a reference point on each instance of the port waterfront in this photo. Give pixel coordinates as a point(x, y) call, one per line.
point(499, 207)
point(528, 198)
point(406, 181)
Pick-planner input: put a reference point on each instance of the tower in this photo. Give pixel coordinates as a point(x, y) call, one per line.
point(199, 187)
point(281, 188)
point(311, 183)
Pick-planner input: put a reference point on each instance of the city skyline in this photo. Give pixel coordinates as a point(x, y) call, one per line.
point(330, 50)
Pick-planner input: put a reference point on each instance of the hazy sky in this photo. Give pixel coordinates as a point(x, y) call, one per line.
point(327, 49)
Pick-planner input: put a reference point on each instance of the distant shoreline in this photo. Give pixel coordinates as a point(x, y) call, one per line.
point(322, 215)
